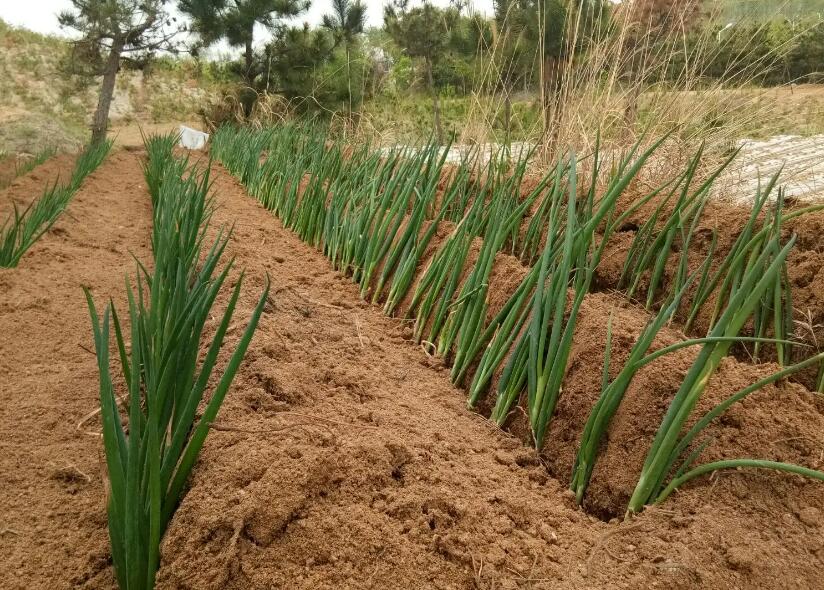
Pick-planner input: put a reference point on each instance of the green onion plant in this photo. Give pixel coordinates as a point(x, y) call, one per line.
point(665, 451)
point(375, 214)
point(21, 230)
point(149, 459)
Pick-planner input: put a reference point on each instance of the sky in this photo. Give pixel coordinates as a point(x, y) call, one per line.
point(43, 19)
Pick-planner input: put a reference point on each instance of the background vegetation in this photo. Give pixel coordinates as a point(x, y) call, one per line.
point(546, 70)
point(535, 70)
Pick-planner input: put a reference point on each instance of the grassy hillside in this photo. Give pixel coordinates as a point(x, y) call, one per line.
point(42, 104)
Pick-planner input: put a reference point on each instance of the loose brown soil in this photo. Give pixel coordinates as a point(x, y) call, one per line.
point(343, 457)
point(29, 186)
point(8, 170)
point(53, 525)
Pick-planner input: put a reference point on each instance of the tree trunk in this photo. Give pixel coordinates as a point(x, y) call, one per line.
point(249, 96)
point(436, 104)
point(100, 122)
point(249, 57)
point(349, 83)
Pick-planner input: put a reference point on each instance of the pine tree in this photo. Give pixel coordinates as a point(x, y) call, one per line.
point(346, 22)
point(422, 32)
point(292, 58)
point(111, 30)
point(234, 21)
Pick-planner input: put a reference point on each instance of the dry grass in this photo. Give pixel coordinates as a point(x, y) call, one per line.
point(636, 78)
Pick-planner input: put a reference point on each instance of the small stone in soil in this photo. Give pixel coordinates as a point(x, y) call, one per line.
point(811, 516)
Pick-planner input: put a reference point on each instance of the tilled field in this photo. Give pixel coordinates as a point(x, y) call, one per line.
point(344, 458)
point(797, 158)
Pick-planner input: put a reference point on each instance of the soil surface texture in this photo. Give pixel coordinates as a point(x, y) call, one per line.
point(344, 458)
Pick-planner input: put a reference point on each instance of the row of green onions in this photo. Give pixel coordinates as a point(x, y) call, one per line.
point(22, 229)
point(375, 213)
point(25, 165)
point(165, 367)
point(655, 242)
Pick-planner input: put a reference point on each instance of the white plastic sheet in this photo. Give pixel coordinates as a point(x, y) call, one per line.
point(192, 139)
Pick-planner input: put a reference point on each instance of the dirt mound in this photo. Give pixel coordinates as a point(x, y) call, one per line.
point(24, 189)
point(391, 483)
point(53, 533)
point(805, 270)
point(780, 422)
